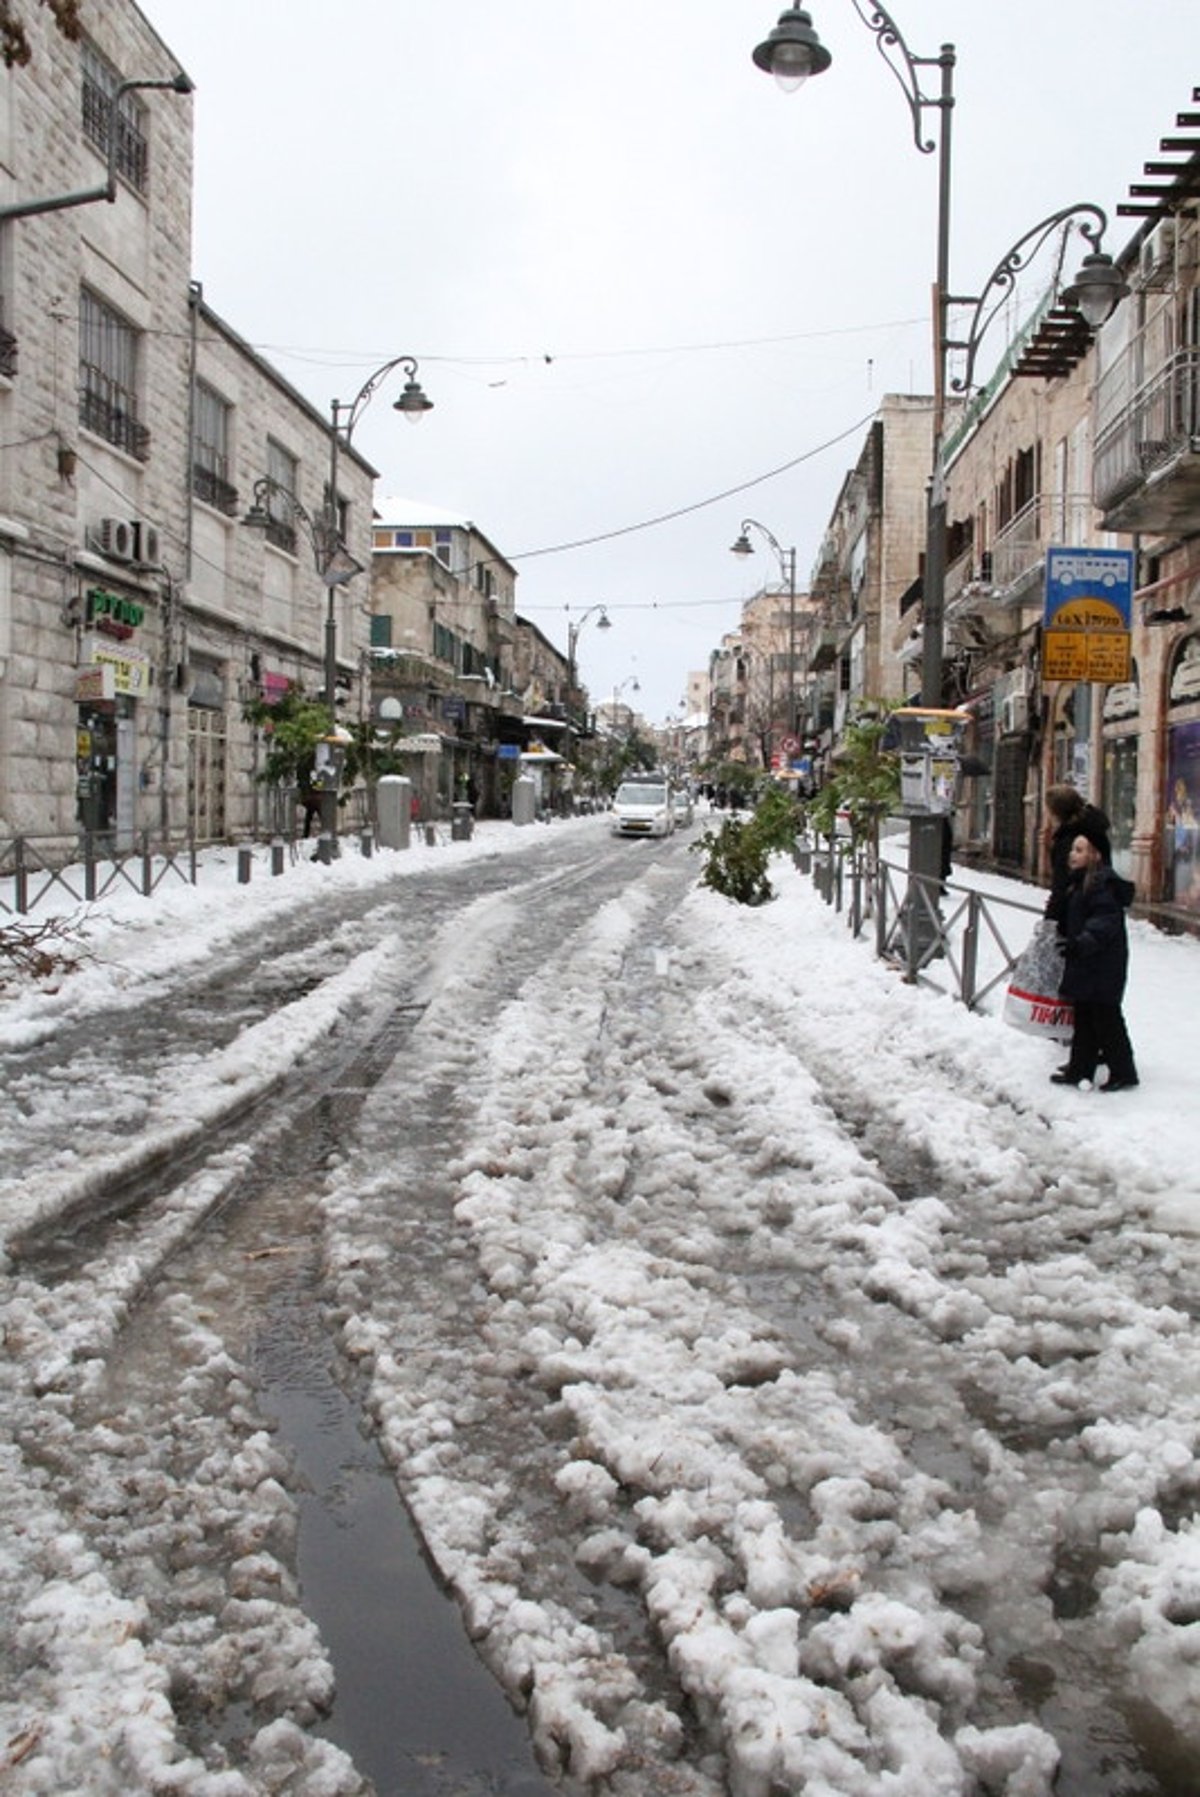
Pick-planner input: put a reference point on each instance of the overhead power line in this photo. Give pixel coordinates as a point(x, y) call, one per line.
point(699, 505)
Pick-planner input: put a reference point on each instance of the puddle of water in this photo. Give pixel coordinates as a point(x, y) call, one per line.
point(415, 1707)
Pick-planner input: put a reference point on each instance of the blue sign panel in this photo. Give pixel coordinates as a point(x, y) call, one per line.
point(1089, 588)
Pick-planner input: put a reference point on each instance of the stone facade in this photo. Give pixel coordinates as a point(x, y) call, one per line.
point(867, 570)
point(136, 615)
point(67, 606)
point(474, 684)
point(255, 611)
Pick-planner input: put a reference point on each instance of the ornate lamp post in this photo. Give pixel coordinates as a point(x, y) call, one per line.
point(792, 52)
point(333, 562)
point(630, 681)
point(603, 622)
point(787, 567)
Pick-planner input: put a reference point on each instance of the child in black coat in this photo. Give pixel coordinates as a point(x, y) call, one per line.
point(1097, 961)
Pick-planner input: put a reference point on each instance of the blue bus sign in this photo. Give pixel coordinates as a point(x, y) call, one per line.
point(1087, 616)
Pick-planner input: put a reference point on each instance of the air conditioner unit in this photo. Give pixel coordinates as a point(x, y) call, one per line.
point(1014, 714)
point(1020, 684)
point(116, 539)
point(146, 548)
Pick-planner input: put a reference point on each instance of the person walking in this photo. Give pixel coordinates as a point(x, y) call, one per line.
point(1068, 812)
point(1097, 962)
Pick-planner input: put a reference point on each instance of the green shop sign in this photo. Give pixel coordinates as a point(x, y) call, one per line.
point(111, 605)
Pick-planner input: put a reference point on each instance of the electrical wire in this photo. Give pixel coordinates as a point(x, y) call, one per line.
point(683, 511)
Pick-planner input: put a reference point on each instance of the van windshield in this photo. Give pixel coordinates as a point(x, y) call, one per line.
point(641, 792)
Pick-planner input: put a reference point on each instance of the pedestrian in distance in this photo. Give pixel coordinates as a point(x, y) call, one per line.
point(1096, 965)
point(1068, 812)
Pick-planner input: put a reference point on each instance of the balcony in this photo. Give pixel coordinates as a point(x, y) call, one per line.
point(1147, 459)
point(1010, 572)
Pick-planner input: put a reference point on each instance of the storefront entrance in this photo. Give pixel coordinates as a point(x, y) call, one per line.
point(96, 767)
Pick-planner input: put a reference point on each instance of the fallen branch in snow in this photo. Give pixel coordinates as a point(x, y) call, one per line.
point(41, 951)
point(20, 1747)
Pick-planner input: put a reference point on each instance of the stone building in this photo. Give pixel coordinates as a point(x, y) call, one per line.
point(255, 612)
point(1146, 428)
point(866, 579)
point(137, 614)
point(93, 416)
point(1018, 482)
point(461, 677)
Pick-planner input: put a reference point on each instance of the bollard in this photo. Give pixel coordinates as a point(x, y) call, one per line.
point(393, 811)
point(431, 836)
point(276, 856)
point(367, 844)
point(245, 861)
point(462, 822)
point(524, 800)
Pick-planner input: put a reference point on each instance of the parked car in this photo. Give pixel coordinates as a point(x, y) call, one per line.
point(643, 807)
point(682, 807)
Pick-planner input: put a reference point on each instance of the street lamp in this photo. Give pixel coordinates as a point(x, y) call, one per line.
point(792, 52)
point(603, 622)
point(787, 566)
point(630, 681)
point(334, 563)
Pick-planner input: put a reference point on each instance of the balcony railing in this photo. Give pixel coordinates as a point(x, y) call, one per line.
point(1006, 573)
point(113, 421)
point(1161, 420)
point(214, 491)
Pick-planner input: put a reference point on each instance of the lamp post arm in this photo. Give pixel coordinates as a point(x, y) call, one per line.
point(781, 553)
point(179, 84)
point(1002, 278)
point(889, 41)
point(345, 417)
point(267, 487)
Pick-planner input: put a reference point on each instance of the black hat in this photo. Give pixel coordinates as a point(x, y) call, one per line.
point(1093, 825)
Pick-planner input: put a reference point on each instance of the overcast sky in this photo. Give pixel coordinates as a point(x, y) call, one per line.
point(636, 275)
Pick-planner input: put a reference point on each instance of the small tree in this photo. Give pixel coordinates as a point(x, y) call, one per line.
point(370, 756)
point(865, 782)
point(293, 725)
point(738, 854)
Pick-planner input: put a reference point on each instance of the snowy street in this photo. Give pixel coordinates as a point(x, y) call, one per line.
point(793, 1389)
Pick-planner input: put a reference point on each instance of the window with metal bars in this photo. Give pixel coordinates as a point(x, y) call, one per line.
point(210, 450)
point(108, 368)
point(283, 471)
point(100, 80)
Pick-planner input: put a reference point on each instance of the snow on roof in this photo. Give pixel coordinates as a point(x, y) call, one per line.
point(409, 514)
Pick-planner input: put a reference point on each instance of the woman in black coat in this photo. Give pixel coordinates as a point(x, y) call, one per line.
point(1097, 961)
point(1068, 812)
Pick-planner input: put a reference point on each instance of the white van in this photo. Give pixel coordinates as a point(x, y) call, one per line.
point(642, 807)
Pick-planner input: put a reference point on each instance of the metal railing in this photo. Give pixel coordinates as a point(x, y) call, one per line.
point(94, 863)
point(950, 936)
point(89, 867)
point(1161, 418)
